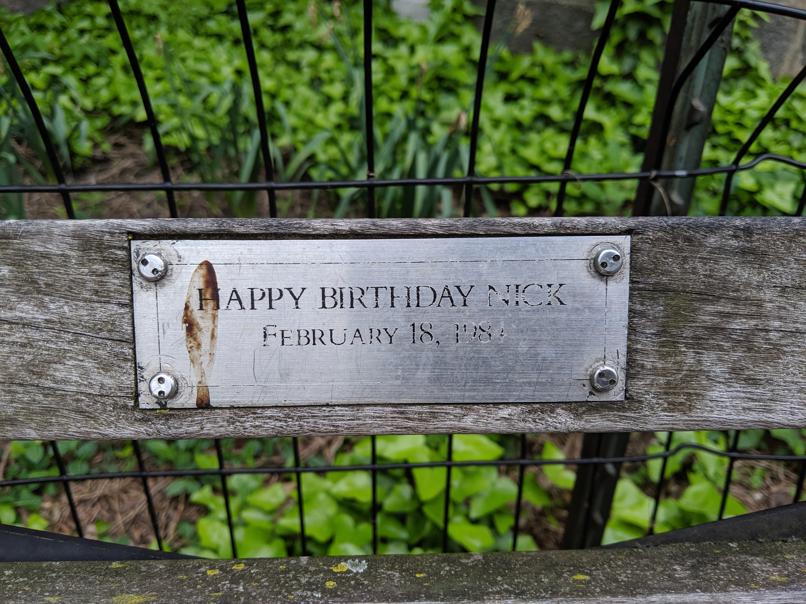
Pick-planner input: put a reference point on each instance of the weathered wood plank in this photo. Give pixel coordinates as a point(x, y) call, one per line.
point(726, 572)
point(717, 335)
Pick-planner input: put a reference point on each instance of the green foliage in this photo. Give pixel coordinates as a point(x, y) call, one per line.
point(703, 475)
point(411, 502)
point(309, 53)
point(337, 504)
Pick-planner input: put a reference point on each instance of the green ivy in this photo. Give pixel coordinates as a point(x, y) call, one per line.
point(309, 53)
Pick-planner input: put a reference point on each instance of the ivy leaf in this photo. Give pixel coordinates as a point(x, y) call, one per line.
point(312, 485)
point(352, 485)
point(400, 499)
point(793, 438)
point(257, 543)
point(288, 523)
point(525, 543)
point(245, 484)
point(703, 499)
point(391, 528)
point(466, 482)
point(401, 448)
point(503, 521)
point(36, 522)
point(559, 476)
point(616, 532)
point(268, 498)
point(472, 537)
point(8, 515)
point(428, 482)
point(534, 493)
point(393, 547)
point(214, 535)
point(434, 510)
point(319, 512)
point(206, 461)
point(631, 505)
point(214, 503)
point(182, 486)
point(500, 493)
point(258, 519)
point(345, 548)
point(475, 447)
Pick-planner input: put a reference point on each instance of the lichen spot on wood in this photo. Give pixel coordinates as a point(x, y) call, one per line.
point(133, 598)
point(200, 319)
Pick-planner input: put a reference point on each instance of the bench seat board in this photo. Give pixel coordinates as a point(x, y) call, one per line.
point(717, 331)
point(703, 572)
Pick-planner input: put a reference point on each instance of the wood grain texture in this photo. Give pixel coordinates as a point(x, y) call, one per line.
point(705, 572)
point(717, 335)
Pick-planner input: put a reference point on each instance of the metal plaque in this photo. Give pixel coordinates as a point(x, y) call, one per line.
point(223, 323)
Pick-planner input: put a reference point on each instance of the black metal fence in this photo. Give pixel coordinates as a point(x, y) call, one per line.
point(649, 179)
point(518, 464)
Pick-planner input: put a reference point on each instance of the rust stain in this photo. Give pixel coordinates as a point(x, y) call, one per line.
point(201, 326)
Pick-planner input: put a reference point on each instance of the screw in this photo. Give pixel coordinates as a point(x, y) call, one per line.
point(163, 386)
point(152, 267)
point(608, 260)
point(604, 378)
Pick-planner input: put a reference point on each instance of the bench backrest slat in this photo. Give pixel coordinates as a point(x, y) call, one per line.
point(717, 331)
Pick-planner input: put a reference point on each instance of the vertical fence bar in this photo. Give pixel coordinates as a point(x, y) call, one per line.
point(765, 121)
point(265, 149)
point(39, 121)
point(802, 202)
point(519, 497)
point(799, 482)
point(486, 34)
point(687, 118)
point(68, 491)
point(659, 485)
point(701, 21)
point(152, 512)
point(446, 511)
point(734, 444)
point(151, 119)
point(225, 491)
point(369, 114)
point(374, 474)
point(601, 42)
point(301, 505)
point(668, 74)
point(594, 487)
point(369, 135)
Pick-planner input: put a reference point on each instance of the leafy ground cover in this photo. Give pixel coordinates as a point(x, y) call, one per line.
point(310, 57)
point(192, 514)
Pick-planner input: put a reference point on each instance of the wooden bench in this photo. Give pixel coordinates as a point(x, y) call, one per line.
point(716, 340)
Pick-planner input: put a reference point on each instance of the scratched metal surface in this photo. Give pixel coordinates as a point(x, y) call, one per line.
point(380, 321)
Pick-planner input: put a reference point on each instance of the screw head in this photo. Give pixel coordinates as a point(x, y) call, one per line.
point(608, 261)
point(163, 386)
point(604, 378)
point(152, 267)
